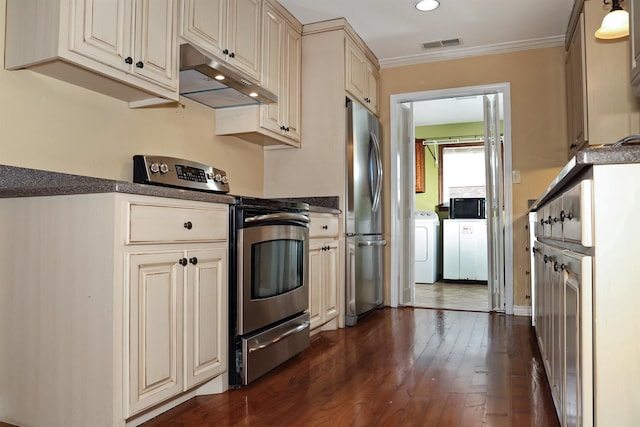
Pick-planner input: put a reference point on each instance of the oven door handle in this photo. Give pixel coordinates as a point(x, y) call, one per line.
point(297, 329)
point(373, 243)
point(280, 216)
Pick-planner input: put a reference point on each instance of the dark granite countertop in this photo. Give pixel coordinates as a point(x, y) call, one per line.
point(592, 156)
point(321, 204)
point(24, 182)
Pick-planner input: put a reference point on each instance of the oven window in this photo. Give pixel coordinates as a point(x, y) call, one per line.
point(276, 267)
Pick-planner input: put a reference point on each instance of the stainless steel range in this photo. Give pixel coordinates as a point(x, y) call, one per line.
point(268, 268)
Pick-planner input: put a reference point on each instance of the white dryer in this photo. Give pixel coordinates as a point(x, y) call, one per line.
point(426, 237)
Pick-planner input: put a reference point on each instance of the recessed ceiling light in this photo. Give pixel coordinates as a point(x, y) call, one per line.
point(219, 77)
point(253, 94)
point(427, 5)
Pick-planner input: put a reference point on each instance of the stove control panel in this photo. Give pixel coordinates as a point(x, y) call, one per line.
point(180, 173)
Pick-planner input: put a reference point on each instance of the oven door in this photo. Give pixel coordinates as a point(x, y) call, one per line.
point(273, 283)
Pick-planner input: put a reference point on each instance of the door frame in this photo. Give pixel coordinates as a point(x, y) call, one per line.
point(395, 223)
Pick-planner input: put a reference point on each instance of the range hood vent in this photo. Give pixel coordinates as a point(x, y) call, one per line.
point(199, 80)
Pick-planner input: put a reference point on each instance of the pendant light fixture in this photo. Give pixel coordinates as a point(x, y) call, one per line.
point(427, 5)
point(615, 23)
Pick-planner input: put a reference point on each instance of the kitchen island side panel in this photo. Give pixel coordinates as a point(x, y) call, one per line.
point(616, 295)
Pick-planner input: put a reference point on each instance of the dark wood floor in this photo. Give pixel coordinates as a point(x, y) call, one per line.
point(397, 367)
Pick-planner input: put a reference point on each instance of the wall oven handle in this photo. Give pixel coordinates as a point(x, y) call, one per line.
point(280, 216)
point(373, 243)
point(297, 329)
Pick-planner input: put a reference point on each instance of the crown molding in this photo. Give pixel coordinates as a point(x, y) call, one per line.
point(444, 55)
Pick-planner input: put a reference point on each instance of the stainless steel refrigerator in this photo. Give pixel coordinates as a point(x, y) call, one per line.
point(364, 239)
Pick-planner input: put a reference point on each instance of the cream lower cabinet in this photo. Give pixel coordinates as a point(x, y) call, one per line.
point(126, 49)
point(323, 271)
point(113, 307)
point(171, 294)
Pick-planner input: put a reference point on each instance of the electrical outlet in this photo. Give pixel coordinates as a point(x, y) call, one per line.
point(515, 177)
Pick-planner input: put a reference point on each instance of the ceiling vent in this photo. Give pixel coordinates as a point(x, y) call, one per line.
point(441, 43)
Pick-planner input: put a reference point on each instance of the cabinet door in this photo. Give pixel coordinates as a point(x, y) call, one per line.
point(577, 218)
point(204, 23)
point(558, 326)
point(292, 83)
point(156, 51)
point(330, 281)
point(373, 79)
point(273, 58)
point(315, 283)
point(576, 89)
point(101, 30)
point(578, 341)
point(244, 35)
point(356, 71)
point(206, 315)
point(155, 340)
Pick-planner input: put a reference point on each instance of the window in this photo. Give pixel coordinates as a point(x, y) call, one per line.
point(462, 171)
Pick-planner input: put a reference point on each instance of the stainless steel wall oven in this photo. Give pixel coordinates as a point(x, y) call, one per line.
point(269, 289)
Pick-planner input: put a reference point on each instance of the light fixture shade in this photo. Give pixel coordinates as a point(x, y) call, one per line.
point(427, 5)
point(614, 25)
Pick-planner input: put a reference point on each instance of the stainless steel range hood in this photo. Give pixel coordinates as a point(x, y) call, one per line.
point(200, 80)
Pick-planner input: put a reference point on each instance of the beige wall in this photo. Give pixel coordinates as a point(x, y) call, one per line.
point(52, 125)
point(538, 120)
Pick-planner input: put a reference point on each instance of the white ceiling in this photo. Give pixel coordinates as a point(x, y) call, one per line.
point(395, 31)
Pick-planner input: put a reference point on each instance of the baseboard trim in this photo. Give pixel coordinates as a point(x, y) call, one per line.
point(522, 310)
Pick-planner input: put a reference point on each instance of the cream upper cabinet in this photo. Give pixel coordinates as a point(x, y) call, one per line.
point(274, 123)
point(126, 48)
point(362, 76)
point(230, 30)
point(601, 109)
point(576, 89)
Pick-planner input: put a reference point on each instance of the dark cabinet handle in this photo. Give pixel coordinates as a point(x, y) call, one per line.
point(564, 216)
point(232, 55)
point(139, 64)
point(287, 128)
point(182, 261)
point(547, 259)
point(325, 227)
point(574, 145)
point(226, 51)
point(188, 225)
point(193, 260)
point(282, 128)
point(558, 267)
point(128, 60)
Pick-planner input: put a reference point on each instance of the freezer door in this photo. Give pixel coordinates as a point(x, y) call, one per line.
point(364, 171)
point(364, 276)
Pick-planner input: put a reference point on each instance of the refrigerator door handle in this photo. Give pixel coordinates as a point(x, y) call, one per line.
point(378, 161)
point(373, 243)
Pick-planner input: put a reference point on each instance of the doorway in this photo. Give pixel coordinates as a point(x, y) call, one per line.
point(498, 195)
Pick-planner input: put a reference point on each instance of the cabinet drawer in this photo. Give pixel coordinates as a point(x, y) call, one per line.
point(577, 222)
point(158, 223)
point(323, 225)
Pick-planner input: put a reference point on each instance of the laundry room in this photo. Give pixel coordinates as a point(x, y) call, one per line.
point(450, 209)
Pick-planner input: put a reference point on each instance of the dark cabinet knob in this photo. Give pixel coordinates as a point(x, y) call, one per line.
point(188, 225)
point(193, 260)
point(139, 64)
point(564, 216)
point(282, 128)
point(226, 51)
point(182, 261)
point(232, 55)
point(546, 259)
point(558, 267)
point(572, 146)
point(325, 227)
point(128, 60)
point(287, 128)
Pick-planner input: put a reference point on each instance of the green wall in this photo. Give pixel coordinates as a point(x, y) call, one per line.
point(428, 200)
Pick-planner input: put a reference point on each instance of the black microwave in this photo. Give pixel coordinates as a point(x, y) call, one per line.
point(467, 208)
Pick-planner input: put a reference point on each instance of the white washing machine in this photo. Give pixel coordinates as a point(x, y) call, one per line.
point(426, 236)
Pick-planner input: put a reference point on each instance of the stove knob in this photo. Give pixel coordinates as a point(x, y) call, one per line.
point(225, 179)
point(164, 168)
point(217, 178)
point(154, 167)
